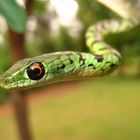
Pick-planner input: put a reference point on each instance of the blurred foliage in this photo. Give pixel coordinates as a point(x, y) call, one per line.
point(16, 19)
point(43, 41)
point(39, 7)
point(40, 40)
point(127, 43)
point(89, 12)
point(14, 15)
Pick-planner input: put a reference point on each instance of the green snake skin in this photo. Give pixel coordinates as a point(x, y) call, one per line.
point(70, 65)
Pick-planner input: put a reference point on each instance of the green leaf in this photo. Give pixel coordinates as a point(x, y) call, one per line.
point(14, 15)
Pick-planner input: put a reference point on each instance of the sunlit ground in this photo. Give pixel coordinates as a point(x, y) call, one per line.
point(103, 109)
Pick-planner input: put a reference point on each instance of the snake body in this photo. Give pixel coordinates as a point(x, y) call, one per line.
point(69, 65)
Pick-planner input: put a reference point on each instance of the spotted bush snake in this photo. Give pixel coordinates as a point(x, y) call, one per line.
point(70, 65)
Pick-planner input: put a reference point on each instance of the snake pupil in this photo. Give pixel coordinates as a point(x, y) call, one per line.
point(36, 71)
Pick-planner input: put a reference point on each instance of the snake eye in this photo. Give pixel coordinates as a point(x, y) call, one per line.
point(36, 71)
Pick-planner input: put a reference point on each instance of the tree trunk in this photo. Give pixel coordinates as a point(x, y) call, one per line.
point(19, 98)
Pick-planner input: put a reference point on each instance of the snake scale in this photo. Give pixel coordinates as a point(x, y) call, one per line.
point(69, 65)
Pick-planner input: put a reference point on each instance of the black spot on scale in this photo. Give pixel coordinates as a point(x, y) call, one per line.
point(99, 57)
point(81, 59)
point(83, 62)
point(90, 65)
point(71, 61)
point(61, 67)
point(112, 65)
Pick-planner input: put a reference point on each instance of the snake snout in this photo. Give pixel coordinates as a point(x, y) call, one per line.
point(4, 82)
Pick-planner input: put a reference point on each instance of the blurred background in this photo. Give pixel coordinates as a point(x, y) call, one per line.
point(104, 108)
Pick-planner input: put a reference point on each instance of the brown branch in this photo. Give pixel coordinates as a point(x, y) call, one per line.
point(29, 6)
point(19, 98)
point(17, 42)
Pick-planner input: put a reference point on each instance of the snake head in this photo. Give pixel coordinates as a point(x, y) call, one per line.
point(22, 74)
point(37, 71)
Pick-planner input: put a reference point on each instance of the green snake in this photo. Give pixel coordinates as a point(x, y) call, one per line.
point(69, 65)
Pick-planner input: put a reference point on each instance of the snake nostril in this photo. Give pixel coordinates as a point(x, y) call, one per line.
point(6, 81)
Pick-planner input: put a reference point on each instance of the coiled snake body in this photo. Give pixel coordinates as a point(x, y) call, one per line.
point(65, 66)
